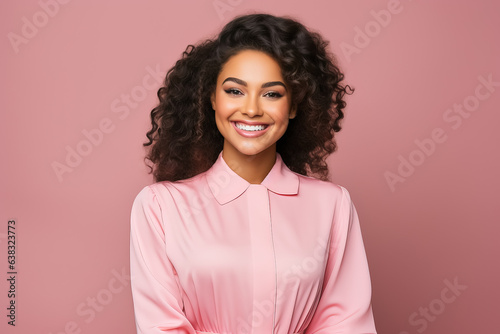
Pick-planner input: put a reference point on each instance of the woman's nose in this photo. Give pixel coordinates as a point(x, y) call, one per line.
point(251, 106)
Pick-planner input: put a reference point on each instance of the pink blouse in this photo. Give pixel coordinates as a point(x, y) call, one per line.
point(216, 254)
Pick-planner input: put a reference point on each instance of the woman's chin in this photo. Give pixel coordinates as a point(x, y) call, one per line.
point(251, 150)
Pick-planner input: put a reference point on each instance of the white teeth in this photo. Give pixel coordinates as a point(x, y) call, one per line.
point(250, 127)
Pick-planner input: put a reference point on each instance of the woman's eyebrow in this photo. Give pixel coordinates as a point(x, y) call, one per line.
point(264, 85)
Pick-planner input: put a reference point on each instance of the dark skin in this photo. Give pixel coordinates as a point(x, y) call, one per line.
point(252, 107)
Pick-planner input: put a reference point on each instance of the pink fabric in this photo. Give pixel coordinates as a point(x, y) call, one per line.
point(216, 254)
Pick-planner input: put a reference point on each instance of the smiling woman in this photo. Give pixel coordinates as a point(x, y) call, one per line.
point(242, 232)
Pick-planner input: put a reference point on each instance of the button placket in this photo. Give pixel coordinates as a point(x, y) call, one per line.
point(264, 269)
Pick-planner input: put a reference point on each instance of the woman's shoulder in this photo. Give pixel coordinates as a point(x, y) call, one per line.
point(316, 185)
point(184, 187)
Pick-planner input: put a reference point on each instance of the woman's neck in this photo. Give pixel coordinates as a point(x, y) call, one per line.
point(252, 168)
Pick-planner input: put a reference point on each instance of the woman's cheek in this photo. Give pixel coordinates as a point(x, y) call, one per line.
point(281, 112)
point(228, 104)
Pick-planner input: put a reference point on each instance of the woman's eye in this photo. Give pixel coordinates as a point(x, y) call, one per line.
point(274, 95)
point(232, 91)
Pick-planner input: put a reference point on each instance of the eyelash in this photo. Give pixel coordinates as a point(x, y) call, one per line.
point(231, 90)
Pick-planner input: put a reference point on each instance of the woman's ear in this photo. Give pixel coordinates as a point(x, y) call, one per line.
point(212, 99)
point(293, 112)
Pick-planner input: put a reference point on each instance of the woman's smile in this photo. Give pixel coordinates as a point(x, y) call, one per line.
point(250, 131)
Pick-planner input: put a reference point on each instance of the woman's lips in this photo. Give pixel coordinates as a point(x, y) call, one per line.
point(250, 133)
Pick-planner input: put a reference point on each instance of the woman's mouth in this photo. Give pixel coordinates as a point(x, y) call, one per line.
point(250, 131)
point(248, 127)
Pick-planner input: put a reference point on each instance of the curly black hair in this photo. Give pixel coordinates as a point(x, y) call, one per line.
point(184, 137)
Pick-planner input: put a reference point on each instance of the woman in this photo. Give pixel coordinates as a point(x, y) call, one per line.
point(242, 232)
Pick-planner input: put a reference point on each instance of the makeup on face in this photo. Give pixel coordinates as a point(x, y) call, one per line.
point(251, 102)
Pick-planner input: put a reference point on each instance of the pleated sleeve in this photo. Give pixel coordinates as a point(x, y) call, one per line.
point(155, 289)
point(345, 303)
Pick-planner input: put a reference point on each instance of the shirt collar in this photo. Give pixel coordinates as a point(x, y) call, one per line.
point(226, 185)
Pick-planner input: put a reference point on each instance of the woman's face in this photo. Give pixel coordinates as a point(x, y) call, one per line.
point(252, 103)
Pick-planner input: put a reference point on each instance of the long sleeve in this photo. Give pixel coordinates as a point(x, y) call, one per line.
point(155, 289)
point(345, 303)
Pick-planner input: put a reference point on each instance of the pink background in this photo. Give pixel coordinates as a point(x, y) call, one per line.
point(69, 76)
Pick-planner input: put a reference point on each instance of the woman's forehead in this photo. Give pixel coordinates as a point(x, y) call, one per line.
point(253, 66)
